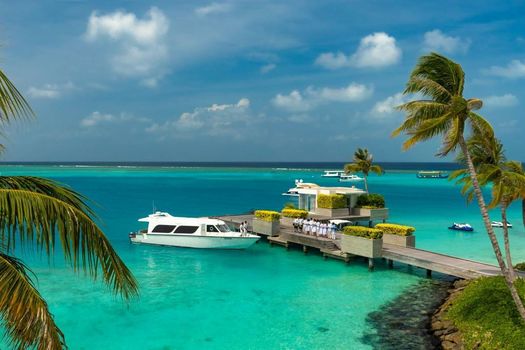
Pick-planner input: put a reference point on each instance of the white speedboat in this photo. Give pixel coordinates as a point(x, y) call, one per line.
point(164, 229)
point(500, 224)
point(333, 173)
point(350, 178)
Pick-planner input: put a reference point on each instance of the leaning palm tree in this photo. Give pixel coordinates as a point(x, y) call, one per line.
point(39, 212)
point(492, 167)
point(447, 113)
point(363, 162)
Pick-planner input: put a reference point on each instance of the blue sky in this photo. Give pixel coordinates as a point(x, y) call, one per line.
point(246, 80)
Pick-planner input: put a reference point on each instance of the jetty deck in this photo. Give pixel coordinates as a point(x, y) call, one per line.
point(329, 248)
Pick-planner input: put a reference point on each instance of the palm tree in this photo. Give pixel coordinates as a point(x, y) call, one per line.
point(40, 212)
point(447, 113)
point(507, 177)
point(363, 162)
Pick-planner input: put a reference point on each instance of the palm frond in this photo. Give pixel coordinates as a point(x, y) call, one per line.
point(27, 320)
point(39, 218)
point(12, 103)
point(427, 87)
point(480, 125)
point(376, 169)
point(442, 71)
point(427, 130)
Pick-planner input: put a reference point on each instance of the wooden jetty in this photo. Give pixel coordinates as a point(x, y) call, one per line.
point(430, 261)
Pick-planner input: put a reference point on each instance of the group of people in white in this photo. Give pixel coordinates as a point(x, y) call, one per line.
point(315, 227)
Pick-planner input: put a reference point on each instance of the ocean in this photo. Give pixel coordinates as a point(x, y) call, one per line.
point(260, 298)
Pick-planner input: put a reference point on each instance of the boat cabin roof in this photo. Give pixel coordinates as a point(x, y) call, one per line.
point(165, 218)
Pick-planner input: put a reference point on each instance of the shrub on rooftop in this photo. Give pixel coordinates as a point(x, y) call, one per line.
point(365, 232)
point(370, 201)
point(394, 229)
point(267, 215)
point(294, 213)
point(332, 201)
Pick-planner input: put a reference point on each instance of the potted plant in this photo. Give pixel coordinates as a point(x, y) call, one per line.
point(371, 205)
point(332, 205)
point(398, 234)
point(266, 222)
point(362, 241)
point(288, 215)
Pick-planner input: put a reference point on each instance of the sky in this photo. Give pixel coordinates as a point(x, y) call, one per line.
point(247, 80)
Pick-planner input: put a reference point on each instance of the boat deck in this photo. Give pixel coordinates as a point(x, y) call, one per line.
point(430, 261)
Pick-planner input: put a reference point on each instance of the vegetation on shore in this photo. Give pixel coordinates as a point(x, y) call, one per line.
point(370, 201)
point(486, 316)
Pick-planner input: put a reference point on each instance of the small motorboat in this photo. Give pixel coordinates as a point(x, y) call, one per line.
point(461, 227)
point(500, 224)
point(350, 178)
point(333, 173)
point(432, 174)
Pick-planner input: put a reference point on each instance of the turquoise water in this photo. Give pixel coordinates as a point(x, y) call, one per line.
point(261, 298)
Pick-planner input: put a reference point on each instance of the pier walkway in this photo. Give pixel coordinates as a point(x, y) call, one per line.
point(430, 261)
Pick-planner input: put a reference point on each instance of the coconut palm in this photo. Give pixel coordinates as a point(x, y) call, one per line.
point(507, 177)
point(447, 113)
point(42, 213)
point(363, 163)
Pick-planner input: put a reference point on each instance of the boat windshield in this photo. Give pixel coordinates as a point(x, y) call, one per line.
point(223, 228)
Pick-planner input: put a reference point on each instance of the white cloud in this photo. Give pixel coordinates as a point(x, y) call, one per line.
point(436, 40)
point(217, 119)
point(97, 118)
point(268, 68)
point(297, 101)
point(514, 69)
point(330, 60)
point(375, 50)
point(140, 50)
point(387, 106)
point(212, 9)
point(50, 91)
point(506, 100)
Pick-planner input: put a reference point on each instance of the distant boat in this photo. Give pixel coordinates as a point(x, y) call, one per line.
point(434, 174)
point(333, 173)
point(164, 229)
point(500, 224)
point(350, 178)
point(461, 227)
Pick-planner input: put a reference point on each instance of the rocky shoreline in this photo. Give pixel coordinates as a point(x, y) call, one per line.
point(443, 329)
point(405, 322)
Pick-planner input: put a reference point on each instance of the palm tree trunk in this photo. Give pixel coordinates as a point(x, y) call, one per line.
point(490, 230)
point(366, 183)
point(508, 257)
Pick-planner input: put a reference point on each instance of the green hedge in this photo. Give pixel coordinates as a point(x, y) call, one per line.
point(371, 201)
point(360, 231)
point(267, 215)
point(294, 213)
point(332, 201)
point(394, 229)
point(486, 316)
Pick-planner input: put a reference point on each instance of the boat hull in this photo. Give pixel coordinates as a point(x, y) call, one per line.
point(465, 229)
point(196, 241)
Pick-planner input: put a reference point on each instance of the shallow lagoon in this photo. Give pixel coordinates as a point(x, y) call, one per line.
point(256, 299)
